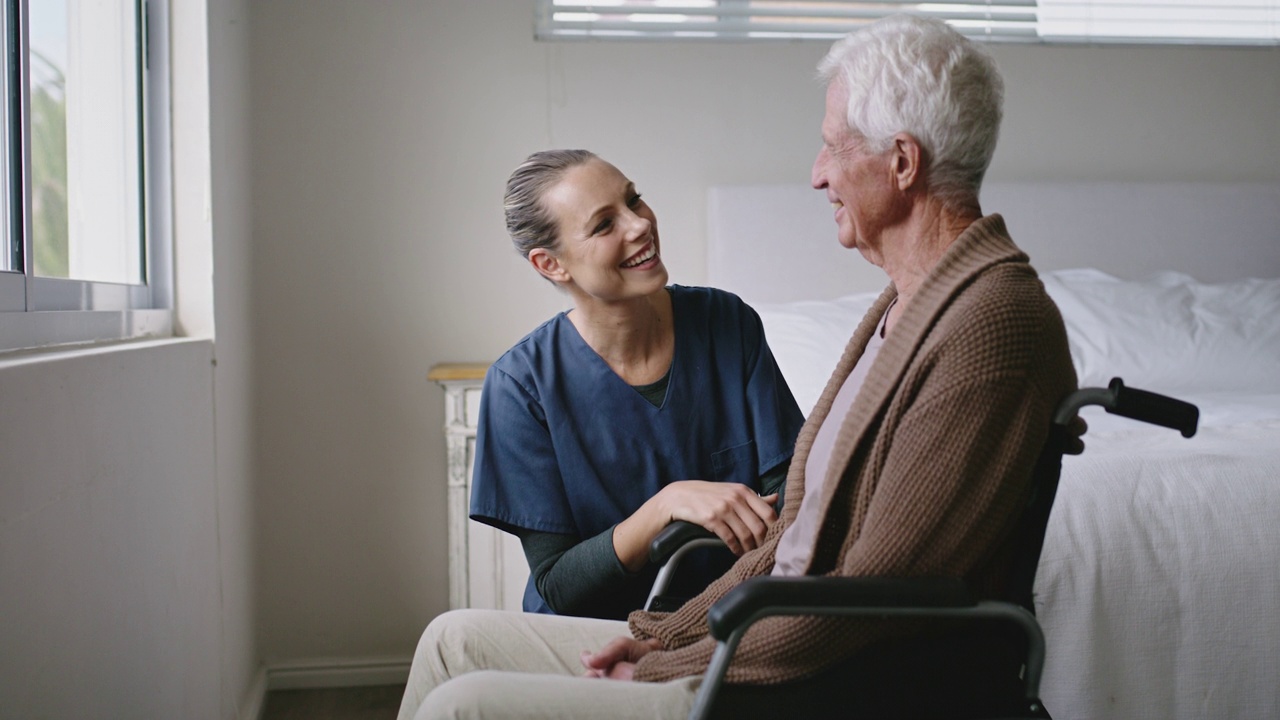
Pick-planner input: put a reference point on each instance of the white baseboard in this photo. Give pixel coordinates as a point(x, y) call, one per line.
point(337, 672)
point(256, 698)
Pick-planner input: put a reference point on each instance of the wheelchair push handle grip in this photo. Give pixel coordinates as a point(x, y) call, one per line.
point(1133, 403)
point(673, 537)
point(1154, 408)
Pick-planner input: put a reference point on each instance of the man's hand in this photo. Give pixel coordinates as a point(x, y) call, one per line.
point(617, 659)
point(1075, 435)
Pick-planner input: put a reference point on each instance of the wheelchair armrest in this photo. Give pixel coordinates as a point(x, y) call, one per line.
point(801, 595)
point(673, 537)
point(761, 597)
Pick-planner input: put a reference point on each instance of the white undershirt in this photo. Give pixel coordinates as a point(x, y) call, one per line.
point(795, 547)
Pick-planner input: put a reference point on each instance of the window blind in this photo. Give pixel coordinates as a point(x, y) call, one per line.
point(1206, 22)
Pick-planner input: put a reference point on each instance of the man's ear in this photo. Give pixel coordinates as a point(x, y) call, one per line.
point(908, 157)
point(548, 265)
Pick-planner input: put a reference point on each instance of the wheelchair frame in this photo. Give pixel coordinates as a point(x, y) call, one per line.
point(934, 598)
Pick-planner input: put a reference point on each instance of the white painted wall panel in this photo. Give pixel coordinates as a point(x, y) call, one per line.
point(108, 536)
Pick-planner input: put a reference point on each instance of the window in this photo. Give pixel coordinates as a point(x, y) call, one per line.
point(85, 208)
point(1205, 22)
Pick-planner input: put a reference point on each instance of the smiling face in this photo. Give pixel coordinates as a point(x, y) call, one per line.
point(859, 184)
point(607, 246)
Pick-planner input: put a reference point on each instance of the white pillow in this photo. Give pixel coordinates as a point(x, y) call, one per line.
point(1169, 332)
point(807, 338)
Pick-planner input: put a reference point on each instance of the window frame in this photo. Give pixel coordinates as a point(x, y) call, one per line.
point(1037, 22)
point(37, 311)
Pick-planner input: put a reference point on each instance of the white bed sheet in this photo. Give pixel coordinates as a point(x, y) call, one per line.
point(1157, 587)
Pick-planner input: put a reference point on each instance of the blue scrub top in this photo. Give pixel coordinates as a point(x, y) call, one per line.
point(566, 446)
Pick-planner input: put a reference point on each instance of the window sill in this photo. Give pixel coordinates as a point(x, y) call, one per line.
point(27, 332)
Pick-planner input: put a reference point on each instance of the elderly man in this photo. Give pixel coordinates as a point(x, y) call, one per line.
point(918, 456)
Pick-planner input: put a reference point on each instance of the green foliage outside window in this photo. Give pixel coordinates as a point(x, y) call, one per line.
point(49, 236)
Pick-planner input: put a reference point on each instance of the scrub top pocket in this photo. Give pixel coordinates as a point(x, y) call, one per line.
point(737, 464)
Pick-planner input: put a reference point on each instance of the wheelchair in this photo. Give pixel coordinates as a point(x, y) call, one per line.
point(981, 658)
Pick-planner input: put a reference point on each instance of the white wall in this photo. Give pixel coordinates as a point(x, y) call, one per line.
point(126, 510)
point(382, 136)
point(229, 243)
point(108, 552)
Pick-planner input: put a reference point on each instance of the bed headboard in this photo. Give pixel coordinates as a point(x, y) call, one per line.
point(777, 243)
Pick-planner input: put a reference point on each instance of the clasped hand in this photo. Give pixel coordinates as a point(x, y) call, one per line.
point(734, 512)
point(617, 659)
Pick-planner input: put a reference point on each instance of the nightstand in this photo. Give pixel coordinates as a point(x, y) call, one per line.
point(487, 568)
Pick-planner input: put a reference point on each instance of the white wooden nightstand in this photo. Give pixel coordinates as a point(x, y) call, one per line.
point(487, 568)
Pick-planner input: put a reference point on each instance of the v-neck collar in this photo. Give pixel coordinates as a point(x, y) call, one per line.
point(602, 367)
point(983, 244)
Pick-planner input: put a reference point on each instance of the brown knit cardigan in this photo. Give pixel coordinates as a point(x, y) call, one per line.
point(930, 468)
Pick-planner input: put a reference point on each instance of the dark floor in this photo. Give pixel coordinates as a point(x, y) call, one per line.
point(378, 702)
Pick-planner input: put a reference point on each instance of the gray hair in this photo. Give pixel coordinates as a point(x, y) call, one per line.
point(528, 222)
point(918, 75)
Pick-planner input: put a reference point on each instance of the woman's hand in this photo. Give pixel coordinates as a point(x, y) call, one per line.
point(734, 512)
point(617, 659)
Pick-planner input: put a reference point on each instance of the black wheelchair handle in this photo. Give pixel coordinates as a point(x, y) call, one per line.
point(673, 537)
point(1135, 404)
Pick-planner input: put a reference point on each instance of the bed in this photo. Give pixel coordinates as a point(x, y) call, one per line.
point(1159, 583)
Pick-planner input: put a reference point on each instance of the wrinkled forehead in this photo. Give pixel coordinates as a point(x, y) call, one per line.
point(835, 122)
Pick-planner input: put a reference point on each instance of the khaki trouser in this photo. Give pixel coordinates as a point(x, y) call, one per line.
point(494, 664)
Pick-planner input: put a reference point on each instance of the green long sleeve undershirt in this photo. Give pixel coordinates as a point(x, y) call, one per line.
point(572, 575)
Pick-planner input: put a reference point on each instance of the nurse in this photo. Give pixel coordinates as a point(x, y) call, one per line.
point(643, 404)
